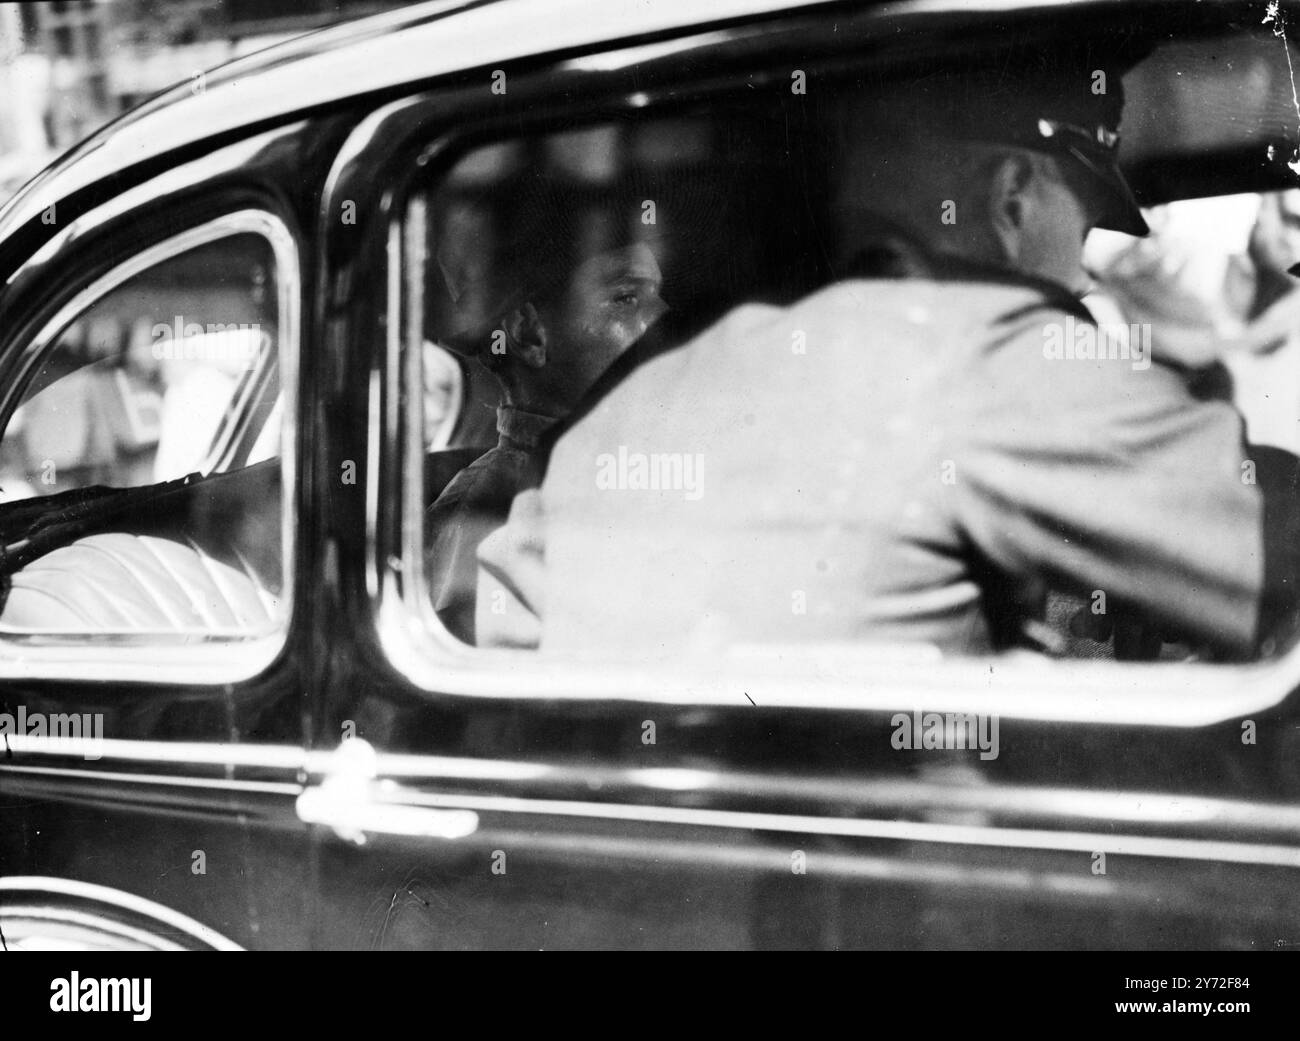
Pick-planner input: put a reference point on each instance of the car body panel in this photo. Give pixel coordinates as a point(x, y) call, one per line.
point(458, 821)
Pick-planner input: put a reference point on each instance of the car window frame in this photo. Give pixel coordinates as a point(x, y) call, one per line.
point(209, 659)
point(1011, 685)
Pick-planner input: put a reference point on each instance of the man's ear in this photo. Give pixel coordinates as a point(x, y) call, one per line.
point(526, 335)
point(1009, 200)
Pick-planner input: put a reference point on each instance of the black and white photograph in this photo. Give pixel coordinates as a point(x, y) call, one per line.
point(651, 475)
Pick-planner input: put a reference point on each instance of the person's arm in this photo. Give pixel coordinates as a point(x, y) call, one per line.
point(511, 577)
point(1106, 478)
point(1278, 474)
point(471, 507)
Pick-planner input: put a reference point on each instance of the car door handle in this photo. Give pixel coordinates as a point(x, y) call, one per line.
point(353, 803)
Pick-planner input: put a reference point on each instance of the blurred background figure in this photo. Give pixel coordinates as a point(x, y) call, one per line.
point(1211, 282)
point(1265, 364)
point(67, 67)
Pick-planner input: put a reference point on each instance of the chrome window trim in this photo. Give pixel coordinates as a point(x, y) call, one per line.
point(1014, 686)
point(160, 658)
point(235, 429)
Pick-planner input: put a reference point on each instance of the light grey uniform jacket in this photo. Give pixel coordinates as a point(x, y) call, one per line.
point(877, 463)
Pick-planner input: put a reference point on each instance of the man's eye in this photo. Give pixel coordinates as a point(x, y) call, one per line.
point(626, 299)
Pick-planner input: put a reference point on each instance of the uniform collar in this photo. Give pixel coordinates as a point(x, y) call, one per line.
point(520, 428)
point(894, 255)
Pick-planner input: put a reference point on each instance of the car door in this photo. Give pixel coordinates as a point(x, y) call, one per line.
point(153, 719)
point(466, 798)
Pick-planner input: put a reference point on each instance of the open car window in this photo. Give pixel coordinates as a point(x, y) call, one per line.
point(695, 250)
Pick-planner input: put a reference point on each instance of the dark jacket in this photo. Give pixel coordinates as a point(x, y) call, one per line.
point(472, 505)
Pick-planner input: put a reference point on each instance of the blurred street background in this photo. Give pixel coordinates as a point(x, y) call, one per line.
point(67, 68)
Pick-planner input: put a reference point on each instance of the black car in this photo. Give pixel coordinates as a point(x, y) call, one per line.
point(229, 394)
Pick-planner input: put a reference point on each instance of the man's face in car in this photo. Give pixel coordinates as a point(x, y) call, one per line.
point(609, 302)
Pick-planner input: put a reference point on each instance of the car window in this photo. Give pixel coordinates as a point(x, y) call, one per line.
point(141, 457)
point(653, 490)
point(153, 380)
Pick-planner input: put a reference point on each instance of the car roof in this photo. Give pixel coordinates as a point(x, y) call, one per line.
point(358, 58)
point(399, 49)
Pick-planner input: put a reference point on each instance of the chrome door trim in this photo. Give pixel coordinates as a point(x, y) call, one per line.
point(1085, 843)
point(54, 773)
point(863, 804)
point(191, 753)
